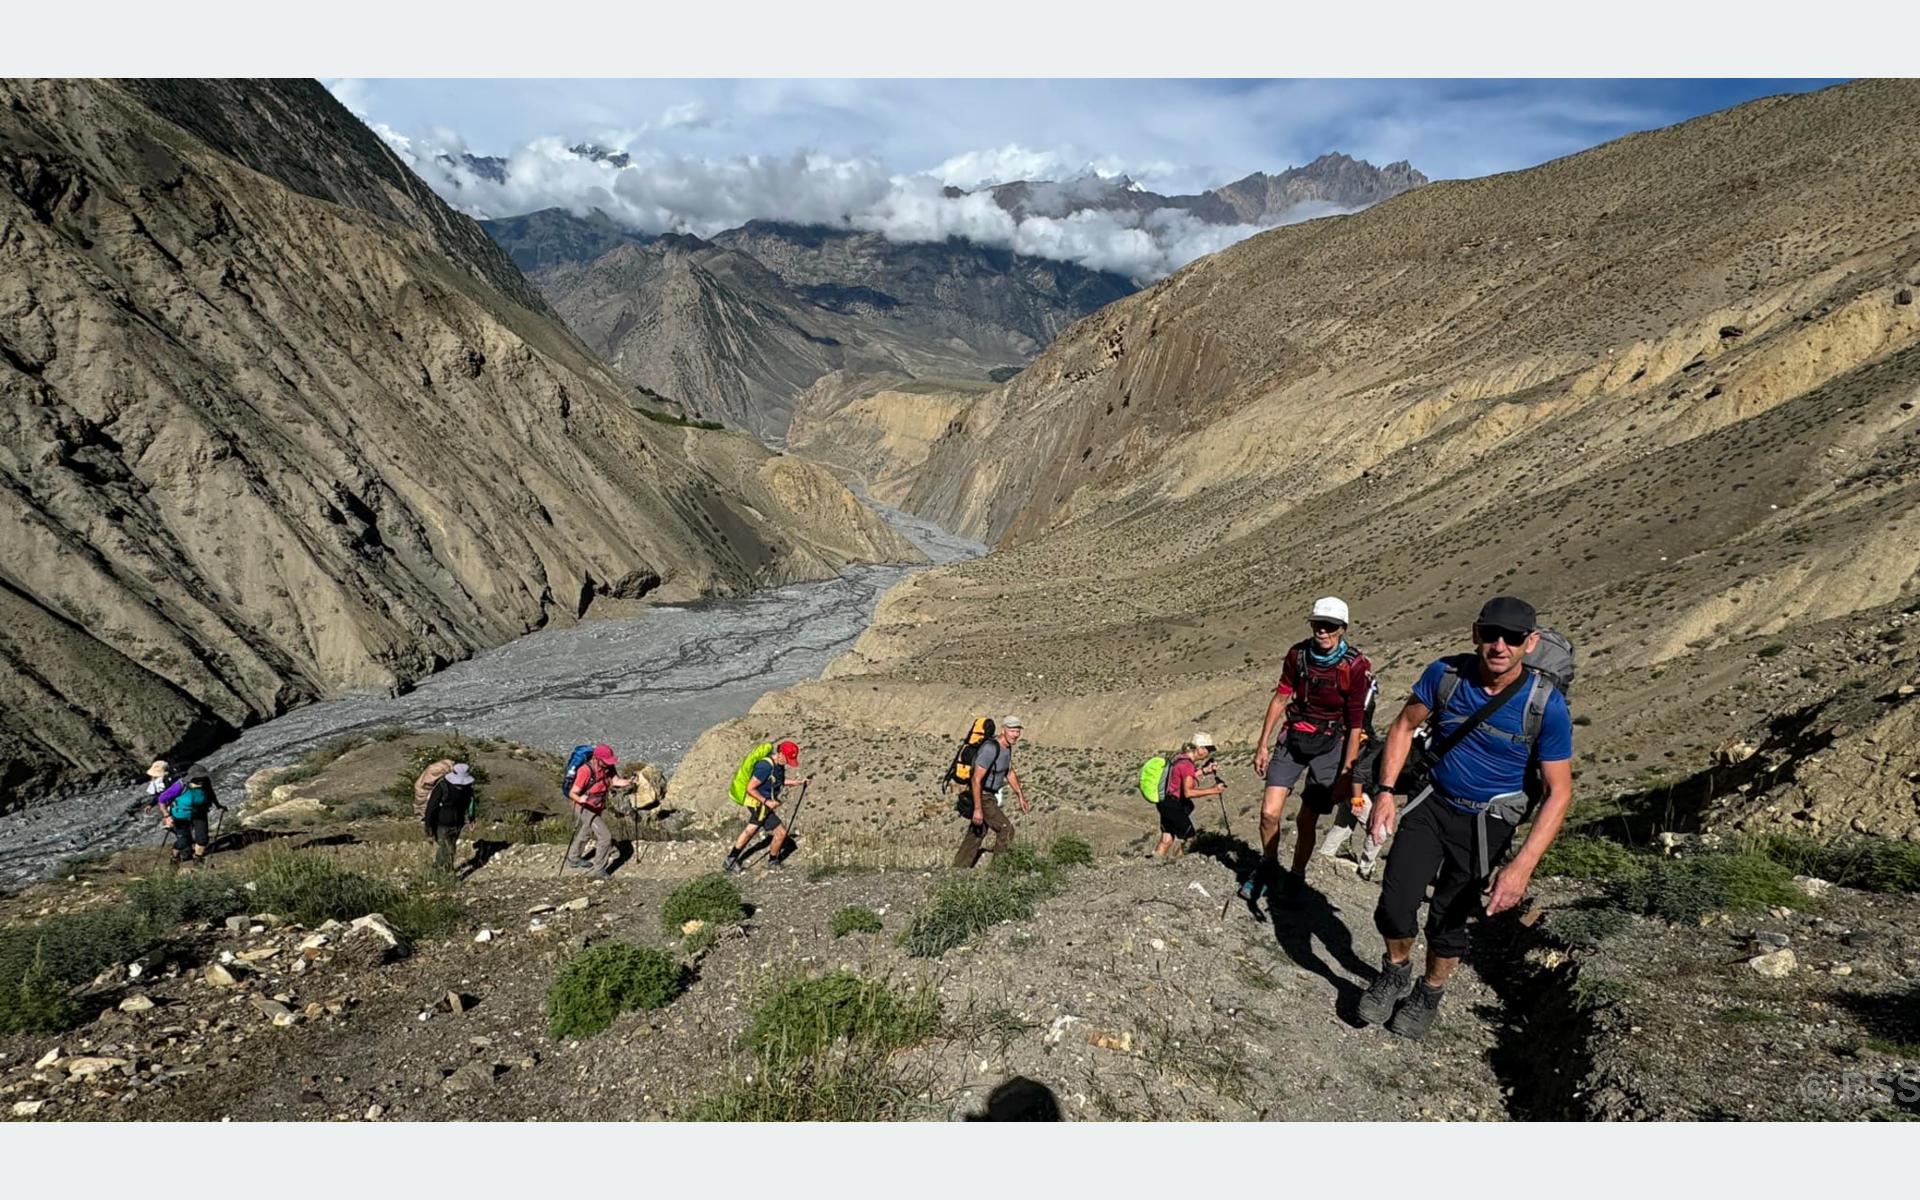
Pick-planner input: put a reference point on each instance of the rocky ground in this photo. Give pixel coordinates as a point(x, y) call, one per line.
point(1138, 992)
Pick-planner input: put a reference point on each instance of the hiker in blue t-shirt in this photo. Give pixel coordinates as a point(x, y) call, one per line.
point(1463, 819)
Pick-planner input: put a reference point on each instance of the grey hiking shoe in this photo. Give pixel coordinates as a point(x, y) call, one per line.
point(1416, 1013)
point(576, 864)
point(730, 865)
point(1389, 987)
point(1254, 885)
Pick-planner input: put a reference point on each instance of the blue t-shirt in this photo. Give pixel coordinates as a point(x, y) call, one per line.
point(1487, 764)
point(771, 776)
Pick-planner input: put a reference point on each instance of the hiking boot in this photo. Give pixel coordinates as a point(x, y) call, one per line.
point(730, 865)
point(1255, 884)
point(576, 864)
point(1389, 987)
point(1416, 1013)
point(774, 864)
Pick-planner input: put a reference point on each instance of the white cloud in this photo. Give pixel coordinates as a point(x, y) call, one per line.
point(660, 192)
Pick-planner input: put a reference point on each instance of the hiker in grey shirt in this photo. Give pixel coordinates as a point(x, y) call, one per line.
point(992, 773)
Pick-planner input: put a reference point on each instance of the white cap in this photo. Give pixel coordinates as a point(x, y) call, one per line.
point(1201, 739)
point(1011, 723)
point(1329, 608)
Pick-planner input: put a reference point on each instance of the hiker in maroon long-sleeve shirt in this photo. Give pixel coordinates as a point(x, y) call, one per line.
point(1320, 709)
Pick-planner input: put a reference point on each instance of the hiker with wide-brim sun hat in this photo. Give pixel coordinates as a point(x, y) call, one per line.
point(767, 778)
point(592, 782)
point(450, 806)
point(1319, 711)
point(991, 776)
point(1464, 803)
point(1183, 788)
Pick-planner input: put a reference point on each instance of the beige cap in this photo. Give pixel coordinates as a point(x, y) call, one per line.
point(1011, 723)
point(1202, 739)
point(158, 769)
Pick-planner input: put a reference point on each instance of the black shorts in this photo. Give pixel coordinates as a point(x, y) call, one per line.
point(766, 818)
point(1436, 846)
point(1176, 816)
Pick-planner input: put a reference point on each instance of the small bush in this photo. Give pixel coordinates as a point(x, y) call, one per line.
point(1586, 925)
point(1869, 864)
point(711, 898)
point(1740, 1014)
point(313, 888)
point(798, 1018)
point(600, 983)
point(314, 761)
point(1070, 850)
point(42, 962)
point(700, 940)
point(1684, 890)
point(854, 919)
point(964, 905)
point(1579, 856)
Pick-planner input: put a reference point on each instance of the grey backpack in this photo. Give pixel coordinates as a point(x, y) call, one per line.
point(1551, 664)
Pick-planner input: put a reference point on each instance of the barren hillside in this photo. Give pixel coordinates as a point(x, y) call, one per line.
point(277, 423)
point(1665, 389)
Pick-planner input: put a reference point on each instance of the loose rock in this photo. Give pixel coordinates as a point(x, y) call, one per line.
point(1777, 965)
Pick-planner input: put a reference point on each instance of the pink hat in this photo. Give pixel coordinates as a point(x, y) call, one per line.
point(606, 755)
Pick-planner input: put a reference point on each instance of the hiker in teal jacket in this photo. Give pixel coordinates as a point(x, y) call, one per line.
point(184, 807)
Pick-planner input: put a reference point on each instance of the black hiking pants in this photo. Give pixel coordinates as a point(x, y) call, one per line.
point(1435, 846)
point(189, 836)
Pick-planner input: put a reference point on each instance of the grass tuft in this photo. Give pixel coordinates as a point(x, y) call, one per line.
point(1071, 850)
point(854, 919)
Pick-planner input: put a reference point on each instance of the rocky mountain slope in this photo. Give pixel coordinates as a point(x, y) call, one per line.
point(739, 326)
point(1132, 991)
point(279, 423)
point(1665, 388)
point(1330, 182)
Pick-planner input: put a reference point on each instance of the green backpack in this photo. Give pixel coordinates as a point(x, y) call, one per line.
point(1153, 777)
point(738, 789)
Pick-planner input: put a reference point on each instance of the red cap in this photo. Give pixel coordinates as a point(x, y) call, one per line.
point(605, 754)
point(790, 751)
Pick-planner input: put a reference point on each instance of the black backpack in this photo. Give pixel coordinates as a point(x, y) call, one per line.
point(960, 770)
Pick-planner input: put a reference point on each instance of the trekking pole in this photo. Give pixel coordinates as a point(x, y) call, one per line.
point(793, 823)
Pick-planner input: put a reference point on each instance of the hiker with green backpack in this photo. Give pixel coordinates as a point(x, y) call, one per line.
point(1502, 742)
point(1172, 785)
point(757, 784)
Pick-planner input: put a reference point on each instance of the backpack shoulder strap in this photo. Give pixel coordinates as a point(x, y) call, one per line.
point(1449, 684)
point(1538, 696)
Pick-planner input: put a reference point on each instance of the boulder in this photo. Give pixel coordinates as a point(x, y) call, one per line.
point(1777, 965)
point(371, 941)
point(469, 1078)
point(87, 1066)
point(259, 785)
point(285, 814)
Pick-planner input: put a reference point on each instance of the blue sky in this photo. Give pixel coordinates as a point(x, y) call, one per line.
point(712, 154)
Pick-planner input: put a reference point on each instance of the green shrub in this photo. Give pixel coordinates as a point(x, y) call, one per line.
point(1869, 864)
point(40, 963)
point(1579, 856)
point(798, 1018)
point(854, 919)
point(314, 888)
point(1070, 850)
point(711, 898)
point(1686, 889)
point(603, 981)
point(314, 761)
point(700, 939)
point(1586, 925)
point(964, 905)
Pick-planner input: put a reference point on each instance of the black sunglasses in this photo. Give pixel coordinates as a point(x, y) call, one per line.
point(1496, 633)
point(1326, 626)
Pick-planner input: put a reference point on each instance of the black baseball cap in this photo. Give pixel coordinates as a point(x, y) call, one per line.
point(1509, 612)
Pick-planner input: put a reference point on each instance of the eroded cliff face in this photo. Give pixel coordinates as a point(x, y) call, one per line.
point(275, 422)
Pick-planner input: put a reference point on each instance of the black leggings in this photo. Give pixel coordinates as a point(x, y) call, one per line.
point(1435, 845)
point(189, 835)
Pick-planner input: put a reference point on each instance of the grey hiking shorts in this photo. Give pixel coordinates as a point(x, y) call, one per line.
point(1284, 769)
